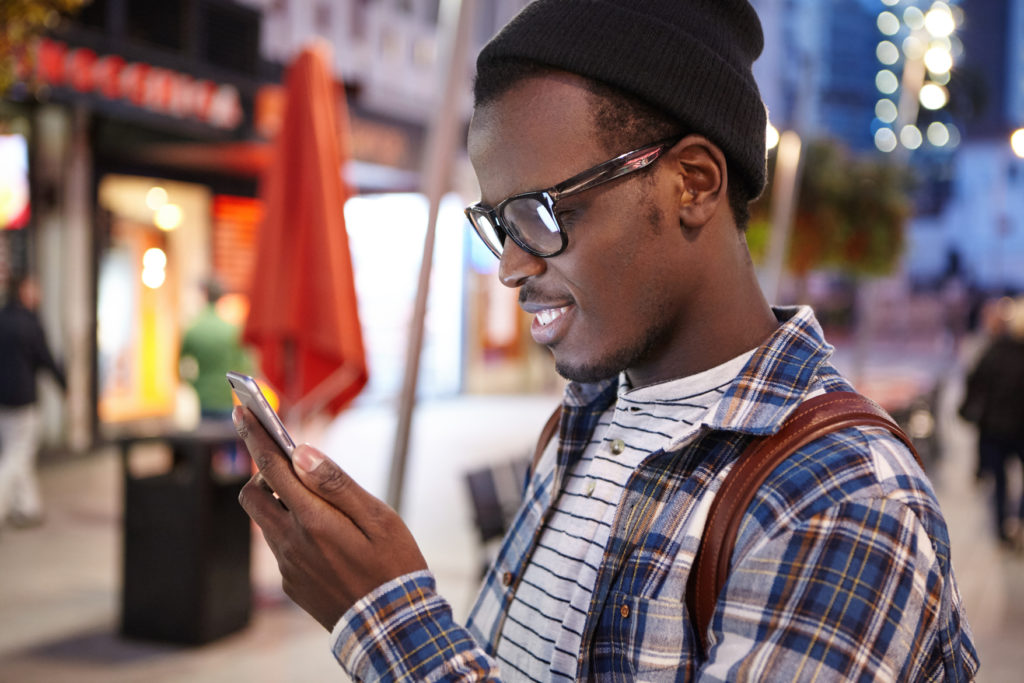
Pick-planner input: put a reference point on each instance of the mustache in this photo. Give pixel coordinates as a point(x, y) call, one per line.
point(531, 293)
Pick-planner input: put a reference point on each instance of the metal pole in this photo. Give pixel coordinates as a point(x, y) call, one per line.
point(784, 197)
point(456, 21)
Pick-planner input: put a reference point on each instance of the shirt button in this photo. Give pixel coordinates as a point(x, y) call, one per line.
point(618, 445)
point(624, 611)
point(507, 578)
point(591, 485)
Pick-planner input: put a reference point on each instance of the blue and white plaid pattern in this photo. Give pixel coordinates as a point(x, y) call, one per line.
point(841, 569)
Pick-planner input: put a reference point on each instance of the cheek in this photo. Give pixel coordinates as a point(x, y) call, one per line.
point(618, 258)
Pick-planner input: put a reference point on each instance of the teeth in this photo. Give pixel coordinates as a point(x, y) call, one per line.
point(549, 315)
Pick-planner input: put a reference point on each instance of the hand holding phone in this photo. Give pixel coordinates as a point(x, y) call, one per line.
point(333, 540)
point(248, 392)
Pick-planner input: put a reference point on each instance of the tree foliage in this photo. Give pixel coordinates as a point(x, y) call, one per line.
point(850, 213)
point(21, 22)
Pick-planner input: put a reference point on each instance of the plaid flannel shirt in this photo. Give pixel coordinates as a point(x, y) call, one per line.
point(841, 569)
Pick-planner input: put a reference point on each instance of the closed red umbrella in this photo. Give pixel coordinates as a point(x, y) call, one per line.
point(303, 316)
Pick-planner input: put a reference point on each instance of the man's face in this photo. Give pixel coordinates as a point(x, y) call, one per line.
point(28, 292)
point(616, 298)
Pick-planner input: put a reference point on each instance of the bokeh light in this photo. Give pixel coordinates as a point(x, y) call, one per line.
point(938, 60)
point(888, 23)
point(938, 134)
point(933, 96)
point(886, 82)
point(954, 135)
point(771, 136)
point(910, 137)
point(885, 139)
point(956, 46)
point(153, 277)
point(913, 47)
point(943, 42)
point(1017, 142)
point(887, 52)
point(154, 258)
point(168, 217)
point(154, 264)
point(886, 111)
point(939, 20)
point(156, 197)
point(913, 18)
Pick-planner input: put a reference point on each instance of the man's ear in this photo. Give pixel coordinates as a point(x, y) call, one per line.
point(703, 179)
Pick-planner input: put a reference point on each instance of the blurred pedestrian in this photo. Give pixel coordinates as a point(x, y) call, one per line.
point(212, 346)
point(23, 352)
point(993, 316)
point(994, 401)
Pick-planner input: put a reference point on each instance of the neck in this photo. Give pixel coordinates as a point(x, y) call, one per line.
point(728, 318)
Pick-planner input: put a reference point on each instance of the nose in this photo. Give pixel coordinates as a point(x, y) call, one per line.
point(516, 265)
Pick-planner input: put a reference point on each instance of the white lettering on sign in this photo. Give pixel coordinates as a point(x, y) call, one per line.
point(149, 87)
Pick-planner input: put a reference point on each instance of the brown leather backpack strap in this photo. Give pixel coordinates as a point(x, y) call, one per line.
point(813, 419)
point(546, 434)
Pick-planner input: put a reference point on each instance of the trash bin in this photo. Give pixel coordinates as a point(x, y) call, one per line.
point(186, 539)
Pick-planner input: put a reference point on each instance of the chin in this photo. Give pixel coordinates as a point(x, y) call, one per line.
point(587, 372)
point(635, 352)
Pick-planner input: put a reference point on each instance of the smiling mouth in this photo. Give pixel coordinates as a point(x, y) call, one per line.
point(549, 315)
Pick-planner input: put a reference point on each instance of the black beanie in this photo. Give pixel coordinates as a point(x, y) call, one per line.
point(690, 58)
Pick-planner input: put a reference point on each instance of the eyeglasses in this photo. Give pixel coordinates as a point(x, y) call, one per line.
point(529, 218)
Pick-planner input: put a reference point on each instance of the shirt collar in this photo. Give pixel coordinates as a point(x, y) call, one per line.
point(778, 376)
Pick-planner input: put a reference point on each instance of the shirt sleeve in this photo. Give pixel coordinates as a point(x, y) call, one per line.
point(404, 630)
point(853, 593)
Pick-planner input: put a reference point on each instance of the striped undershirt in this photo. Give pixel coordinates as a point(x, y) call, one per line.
point(541, 637)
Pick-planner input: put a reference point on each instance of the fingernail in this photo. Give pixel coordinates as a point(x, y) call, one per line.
point(236, 416)
point(306, 458)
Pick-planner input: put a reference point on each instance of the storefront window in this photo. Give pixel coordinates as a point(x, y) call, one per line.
point(14, 191)
point(149, 280)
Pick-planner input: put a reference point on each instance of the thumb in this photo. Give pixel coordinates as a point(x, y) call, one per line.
point(307, 459)
point(322, 475)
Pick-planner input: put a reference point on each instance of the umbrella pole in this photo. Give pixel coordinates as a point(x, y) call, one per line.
point(456, 20)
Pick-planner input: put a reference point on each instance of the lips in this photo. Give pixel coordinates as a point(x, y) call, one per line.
point(549, 322)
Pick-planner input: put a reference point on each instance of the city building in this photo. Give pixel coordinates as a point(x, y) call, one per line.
point(978, 234)
point(817, 72)
point(936, 85)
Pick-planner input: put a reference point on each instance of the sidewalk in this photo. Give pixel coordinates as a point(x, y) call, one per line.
point(59, 598)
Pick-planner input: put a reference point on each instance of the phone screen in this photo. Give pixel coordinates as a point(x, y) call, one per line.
point(248, 392)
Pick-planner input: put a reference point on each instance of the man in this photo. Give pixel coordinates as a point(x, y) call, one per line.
point(994, 401)
point(23, 353)
point(617, 145)
point(212, 346)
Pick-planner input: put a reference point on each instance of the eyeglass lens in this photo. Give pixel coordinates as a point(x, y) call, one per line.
point(529, 220)
point(532, 222)
point(492, 236)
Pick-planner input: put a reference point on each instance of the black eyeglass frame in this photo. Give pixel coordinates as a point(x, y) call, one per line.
point(604, 172)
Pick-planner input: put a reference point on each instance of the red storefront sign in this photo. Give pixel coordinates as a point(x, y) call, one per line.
point(153, 88)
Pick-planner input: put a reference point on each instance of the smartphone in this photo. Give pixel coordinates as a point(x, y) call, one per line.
point(248, 392)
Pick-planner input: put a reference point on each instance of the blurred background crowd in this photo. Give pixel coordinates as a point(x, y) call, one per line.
point(139, 143)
